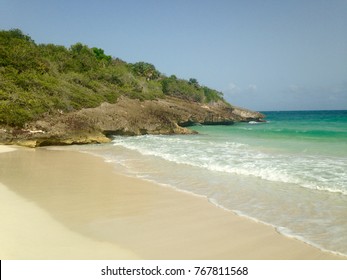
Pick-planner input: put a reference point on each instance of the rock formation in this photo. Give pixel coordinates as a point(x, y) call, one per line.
point(125, 117)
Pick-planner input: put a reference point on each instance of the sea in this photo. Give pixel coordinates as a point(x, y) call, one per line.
point(289, 172)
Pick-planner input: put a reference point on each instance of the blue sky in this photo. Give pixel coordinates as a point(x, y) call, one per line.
point(262, 54)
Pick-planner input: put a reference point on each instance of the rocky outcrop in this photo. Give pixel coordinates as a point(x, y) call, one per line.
point(126, 117)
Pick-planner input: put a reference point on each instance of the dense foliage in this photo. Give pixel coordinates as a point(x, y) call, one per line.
point(37, 79)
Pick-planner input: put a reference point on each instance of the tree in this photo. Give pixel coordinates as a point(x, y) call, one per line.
point(17, 33)
point(79, 48)
point(146, 70)
point(182, 89)
point(100, 54)
point(83, 58)
point(194, 82)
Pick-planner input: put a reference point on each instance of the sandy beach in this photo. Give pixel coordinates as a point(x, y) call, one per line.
point(70, 205)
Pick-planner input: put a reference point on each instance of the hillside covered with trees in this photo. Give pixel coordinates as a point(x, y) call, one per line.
point(44, 79)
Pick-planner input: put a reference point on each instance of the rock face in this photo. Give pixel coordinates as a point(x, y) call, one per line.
point(126, 117)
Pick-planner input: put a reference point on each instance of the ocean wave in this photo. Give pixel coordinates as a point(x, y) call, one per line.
point(317, 173)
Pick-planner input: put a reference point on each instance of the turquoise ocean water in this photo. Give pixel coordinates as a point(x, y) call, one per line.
point(290, 172)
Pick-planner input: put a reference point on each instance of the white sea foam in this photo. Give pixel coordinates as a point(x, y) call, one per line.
point(324, 174)
point(6, 149)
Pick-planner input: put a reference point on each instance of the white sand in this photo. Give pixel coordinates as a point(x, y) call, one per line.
point(69, 205)
point(28, 232)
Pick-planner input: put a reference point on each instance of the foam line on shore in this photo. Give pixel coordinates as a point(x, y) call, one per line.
point(6, 149)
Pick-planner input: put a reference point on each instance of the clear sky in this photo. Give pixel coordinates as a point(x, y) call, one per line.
point(262, 54)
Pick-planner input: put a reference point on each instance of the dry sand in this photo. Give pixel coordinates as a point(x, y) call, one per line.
point(69, 205)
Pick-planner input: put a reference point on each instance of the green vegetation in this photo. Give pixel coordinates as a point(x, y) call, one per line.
point(189, 90)
point(37, 79)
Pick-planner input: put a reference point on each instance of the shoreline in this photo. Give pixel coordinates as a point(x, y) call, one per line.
point(68, 199)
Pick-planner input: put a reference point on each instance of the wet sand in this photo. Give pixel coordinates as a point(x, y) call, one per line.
point(70, 205)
